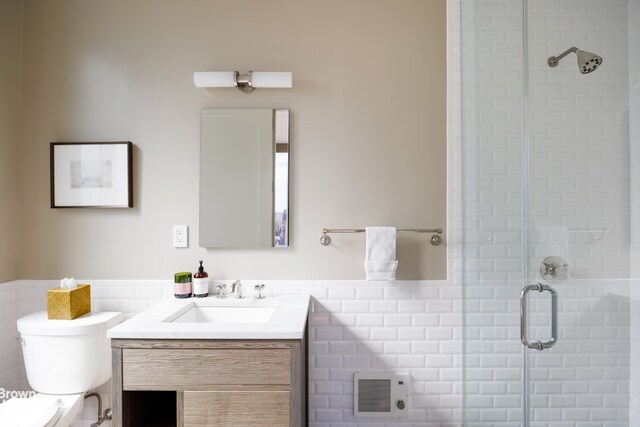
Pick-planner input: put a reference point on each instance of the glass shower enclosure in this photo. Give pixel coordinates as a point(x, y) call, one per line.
point(550, 190)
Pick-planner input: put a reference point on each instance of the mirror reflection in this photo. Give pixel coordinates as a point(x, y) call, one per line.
point(244, 178)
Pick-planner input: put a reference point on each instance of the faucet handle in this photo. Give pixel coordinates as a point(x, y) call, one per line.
point(259, 288)
point(237, 285)
point(221, 290)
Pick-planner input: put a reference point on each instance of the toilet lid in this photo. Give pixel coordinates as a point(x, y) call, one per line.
point(30, 412)
point(38, 323)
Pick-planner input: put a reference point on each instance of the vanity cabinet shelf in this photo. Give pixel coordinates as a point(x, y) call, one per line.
point(210, 382)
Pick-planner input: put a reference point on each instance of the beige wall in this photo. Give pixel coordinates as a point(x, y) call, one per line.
point(368, 128)
point(10, 47)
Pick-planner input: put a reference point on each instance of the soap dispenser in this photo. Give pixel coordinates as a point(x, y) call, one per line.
point(201, 283)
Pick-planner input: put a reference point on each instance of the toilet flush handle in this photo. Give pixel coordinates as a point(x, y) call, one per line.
point(20, 340)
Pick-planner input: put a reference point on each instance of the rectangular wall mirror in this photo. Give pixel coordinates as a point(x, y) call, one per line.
point(244, 178)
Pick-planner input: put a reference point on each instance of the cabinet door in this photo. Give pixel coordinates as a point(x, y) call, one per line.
point(236, 408)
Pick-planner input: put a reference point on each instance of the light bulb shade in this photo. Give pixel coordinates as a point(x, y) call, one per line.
point(214, 79)
point(273, 79)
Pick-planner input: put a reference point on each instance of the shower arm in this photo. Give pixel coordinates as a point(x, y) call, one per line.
point(553, 61)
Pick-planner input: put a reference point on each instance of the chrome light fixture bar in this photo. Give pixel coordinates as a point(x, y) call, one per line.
point(245, 82)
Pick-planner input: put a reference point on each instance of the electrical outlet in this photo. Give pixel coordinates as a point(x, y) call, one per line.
point(180, 236)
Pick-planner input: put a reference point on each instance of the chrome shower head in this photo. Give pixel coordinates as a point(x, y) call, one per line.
point(587, 61)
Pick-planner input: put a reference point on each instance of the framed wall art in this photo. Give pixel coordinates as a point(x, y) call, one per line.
point(91, 175)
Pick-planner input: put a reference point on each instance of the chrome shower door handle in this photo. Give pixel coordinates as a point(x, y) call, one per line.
point(538, 345)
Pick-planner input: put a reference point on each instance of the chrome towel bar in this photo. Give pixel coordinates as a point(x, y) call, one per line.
point(435, 240)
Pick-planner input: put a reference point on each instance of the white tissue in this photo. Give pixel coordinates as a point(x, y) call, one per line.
point(68, 283)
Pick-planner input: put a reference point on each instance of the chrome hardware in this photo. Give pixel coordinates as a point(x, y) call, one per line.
point(325, 240)
point(554, 269)
point(243, 81)
point(20, 340)
point(222, 289)
point(435, 239)
point(538, 345)
point(259, 288)
point(587, 61)
point(102, 416)
point(236, 288)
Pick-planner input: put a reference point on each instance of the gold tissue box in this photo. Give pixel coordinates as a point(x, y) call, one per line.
point(68, 303)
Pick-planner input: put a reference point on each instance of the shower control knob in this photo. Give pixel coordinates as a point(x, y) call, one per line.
point(554, 269)
point(400, 404)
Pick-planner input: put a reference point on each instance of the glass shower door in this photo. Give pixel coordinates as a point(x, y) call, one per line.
point(546, 214)
point(579, 217)
point(493, 212)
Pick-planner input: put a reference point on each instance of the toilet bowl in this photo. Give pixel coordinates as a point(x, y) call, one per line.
point(63, 359)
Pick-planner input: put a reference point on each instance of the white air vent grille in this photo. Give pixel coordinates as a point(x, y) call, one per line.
point(374, 395)
point(381, 395)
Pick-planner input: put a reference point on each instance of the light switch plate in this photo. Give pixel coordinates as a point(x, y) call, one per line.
point(180, 236)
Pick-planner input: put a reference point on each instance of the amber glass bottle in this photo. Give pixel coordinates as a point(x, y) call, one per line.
point(201, 283)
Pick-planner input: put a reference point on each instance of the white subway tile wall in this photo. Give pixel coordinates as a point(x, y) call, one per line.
point(579, 131)
point(585, 376)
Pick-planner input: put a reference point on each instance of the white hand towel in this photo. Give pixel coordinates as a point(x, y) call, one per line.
point(380, 256)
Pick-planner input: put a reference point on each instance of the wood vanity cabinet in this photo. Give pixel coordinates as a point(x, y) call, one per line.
point(213, 383)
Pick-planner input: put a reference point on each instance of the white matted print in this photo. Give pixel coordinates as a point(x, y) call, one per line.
point(91, 174)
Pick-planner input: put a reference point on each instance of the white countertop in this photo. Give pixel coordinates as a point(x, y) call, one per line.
point(287, 322)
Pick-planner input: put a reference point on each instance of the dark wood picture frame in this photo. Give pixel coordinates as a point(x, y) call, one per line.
point(100, 176)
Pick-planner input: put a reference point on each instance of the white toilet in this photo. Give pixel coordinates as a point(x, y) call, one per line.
point(64, 359)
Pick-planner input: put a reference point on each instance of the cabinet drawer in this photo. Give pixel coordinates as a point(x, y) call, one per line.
point(195, 369)
point(238, 409)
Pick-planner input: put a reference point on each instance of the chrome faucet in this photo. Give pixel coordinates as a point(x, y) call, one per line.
point(236, 287)
point(259, 288)
point(222, 289)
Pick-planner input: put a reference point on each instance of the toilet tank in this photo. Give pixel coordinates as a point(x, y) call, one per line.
point(67, 356)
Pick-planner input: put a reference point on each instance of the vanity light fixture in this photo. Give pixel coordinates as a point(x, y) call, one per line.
point(245, 82)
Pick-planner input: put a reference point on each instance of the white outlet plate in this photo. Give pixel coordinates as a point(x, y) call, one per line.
point(180, 236)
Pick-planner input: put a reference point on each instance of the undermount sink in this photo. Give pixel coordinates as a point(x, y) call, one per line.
point(224, 314)
point(273, 317)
